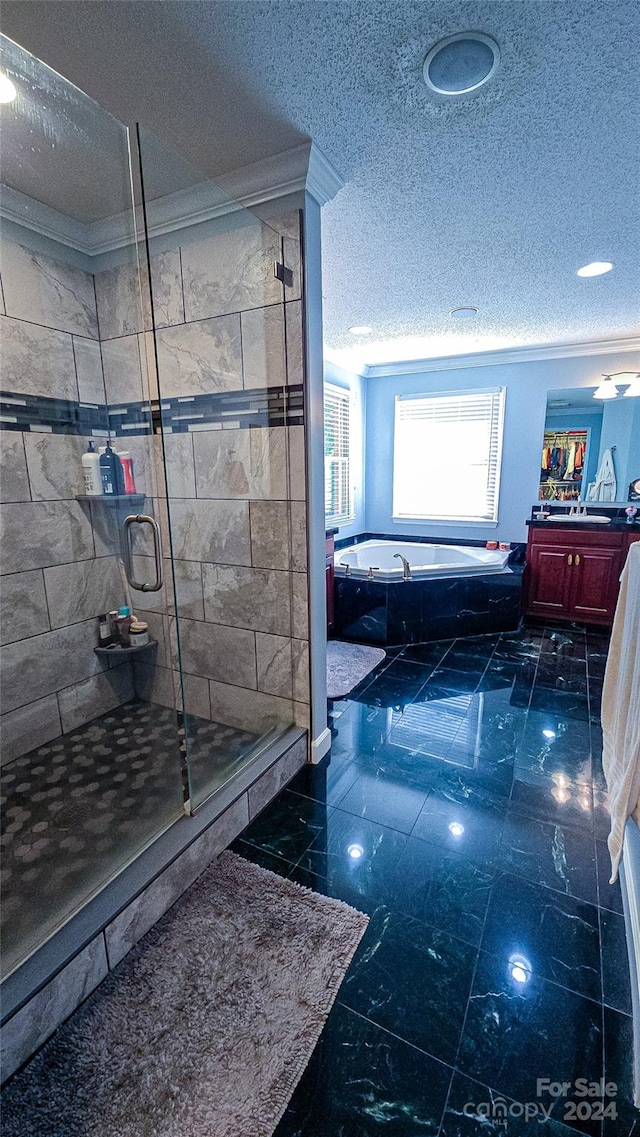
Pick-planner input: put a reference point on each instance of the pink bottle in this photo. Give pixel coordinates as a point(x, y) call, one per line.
point(127, 469)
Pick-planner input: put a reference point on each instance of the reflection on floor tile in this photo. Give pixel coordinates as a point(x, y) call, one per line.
point(464, 811)
point(518, 1031)
point(558, 935)
point(549, 854)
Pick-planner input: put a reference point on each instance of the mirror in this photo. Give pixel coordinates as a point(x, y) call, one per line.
point(583, 438)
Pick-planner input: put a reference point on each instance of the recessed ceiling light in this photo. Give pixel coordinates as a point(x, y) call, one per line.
point(460, 64)
point(456, 829)
point(360, 330)
point(7, 89)
point(463, 313)
point(596, 268)
point(355, 852)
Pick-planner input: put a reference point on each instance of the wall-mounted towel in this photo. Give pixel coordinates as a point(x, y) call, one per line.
point(621, 709)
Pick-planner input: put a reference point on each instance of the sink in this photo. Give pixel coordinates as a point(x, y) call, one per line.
point(580, 518)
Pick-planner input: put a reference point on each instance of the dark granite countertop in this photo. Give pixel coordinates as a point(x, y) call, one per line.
point(617, 524)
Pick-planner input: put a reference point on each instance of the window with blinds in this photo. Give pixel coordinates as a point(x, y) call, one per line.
point(338, 491)
point(447, 453)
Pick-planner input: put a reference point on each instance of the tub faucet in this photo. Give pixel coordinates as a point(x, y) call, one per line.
point(406, 567)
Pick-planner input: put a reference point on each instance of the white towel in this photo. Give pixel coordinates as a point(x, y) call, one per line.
point(605, 486)
point(621, 708)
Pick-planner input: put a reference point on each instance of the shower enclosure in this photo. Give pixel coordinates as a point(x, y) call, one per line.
point(141, 304)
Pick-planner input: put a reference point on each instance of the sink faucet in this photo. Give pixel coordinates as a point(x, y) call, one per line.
point(406, 567)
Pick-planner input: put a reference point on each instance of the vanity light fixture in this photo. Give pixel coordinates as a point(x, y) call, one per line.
point(595, 268)
point(607, 389)
point(633, 390)
point(7, 89)
point(360, 330)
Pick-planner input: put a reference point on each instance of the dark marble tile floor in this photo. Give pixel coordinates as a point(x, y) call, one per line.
point(458, 810)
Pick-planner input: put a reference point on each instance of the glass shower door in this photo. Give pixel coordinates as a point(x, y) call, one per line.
point(91, 768)
point(219, 278)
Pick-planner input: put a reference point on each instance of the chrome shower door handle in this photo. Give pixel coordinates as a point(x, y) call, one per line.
point(142, 519)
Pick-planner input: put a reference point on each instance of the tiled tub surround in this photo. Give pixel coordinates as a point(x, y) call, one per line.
point(463, 809)
point(412, 611)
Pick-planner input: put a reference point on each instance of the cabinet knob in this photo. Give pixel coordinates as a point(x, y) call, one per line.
point(570, 559)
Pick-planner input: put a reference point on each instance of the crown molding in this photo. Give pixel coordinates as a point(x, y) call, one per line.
point(304, 168)
point(503, 355)
point(323, 180)
point(40, 218)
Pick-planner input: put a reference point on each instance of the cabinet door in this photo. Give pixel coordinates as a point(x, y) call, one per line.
point(549, 580)
point(594, 583)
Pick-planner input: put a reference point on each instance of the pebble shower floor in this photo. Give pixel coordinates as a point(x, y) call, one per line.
point(76, 810)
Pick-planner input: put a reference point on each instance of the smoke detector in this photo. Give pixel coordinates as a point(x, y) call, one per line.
point(460, 64)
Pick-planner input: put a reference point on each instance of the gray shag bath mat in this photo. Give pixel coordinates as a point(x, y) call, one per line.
point(347, 665)
point(205, 1028)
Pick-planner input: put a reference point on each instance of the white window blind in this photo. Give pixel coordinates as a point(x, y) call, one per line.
point(447, 454)
point(338, 493)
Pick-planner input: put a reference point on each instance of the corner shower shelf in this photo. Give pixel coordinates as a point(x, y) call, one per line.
point(112, 498)
point(124, 650)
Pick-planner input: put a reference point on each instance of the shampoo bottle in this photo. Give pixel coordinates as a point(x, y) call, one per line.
point(91, 471)
point(111, 472)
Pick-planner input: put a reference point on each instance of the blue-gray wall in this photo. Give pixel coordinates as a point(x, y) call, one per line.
point(621, 428)
point(527, 384)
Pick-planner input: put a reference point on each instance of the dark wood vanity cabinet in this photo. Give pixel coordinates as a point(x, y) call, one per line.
point(574, 573)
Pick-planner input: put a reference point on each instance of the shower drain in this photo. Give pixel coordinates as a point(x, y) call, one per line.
point(73, 814)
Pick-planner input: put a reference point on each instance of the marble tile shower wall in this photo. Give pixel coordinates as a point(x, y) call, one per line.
point(58, 570)
point(236, 489)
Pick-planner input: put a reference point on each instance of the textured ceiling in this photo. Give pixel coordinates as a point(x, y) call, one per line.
point(493, 200)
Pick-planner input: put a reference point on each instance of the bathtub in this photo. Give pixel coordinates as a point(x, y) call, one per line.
point(378, 560)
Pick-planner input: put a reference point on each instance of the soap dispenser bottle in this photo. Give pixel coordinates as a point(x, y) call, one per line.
point(91, 471)
point(111, 472)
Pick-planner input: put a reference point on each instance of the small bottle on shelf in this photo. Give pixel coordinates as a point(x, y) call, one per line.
point(127, 471)
point(124, 622)
point(105, 635)
point(111, 472)
point(91, 471)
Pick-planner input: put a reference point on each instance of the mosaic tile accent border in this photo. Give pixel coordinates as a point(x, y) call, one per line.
point(266, 406)
point(52, 416)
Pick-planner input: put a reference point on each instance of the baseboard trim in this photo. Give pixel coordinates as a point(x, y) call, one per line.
point(320, 746)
